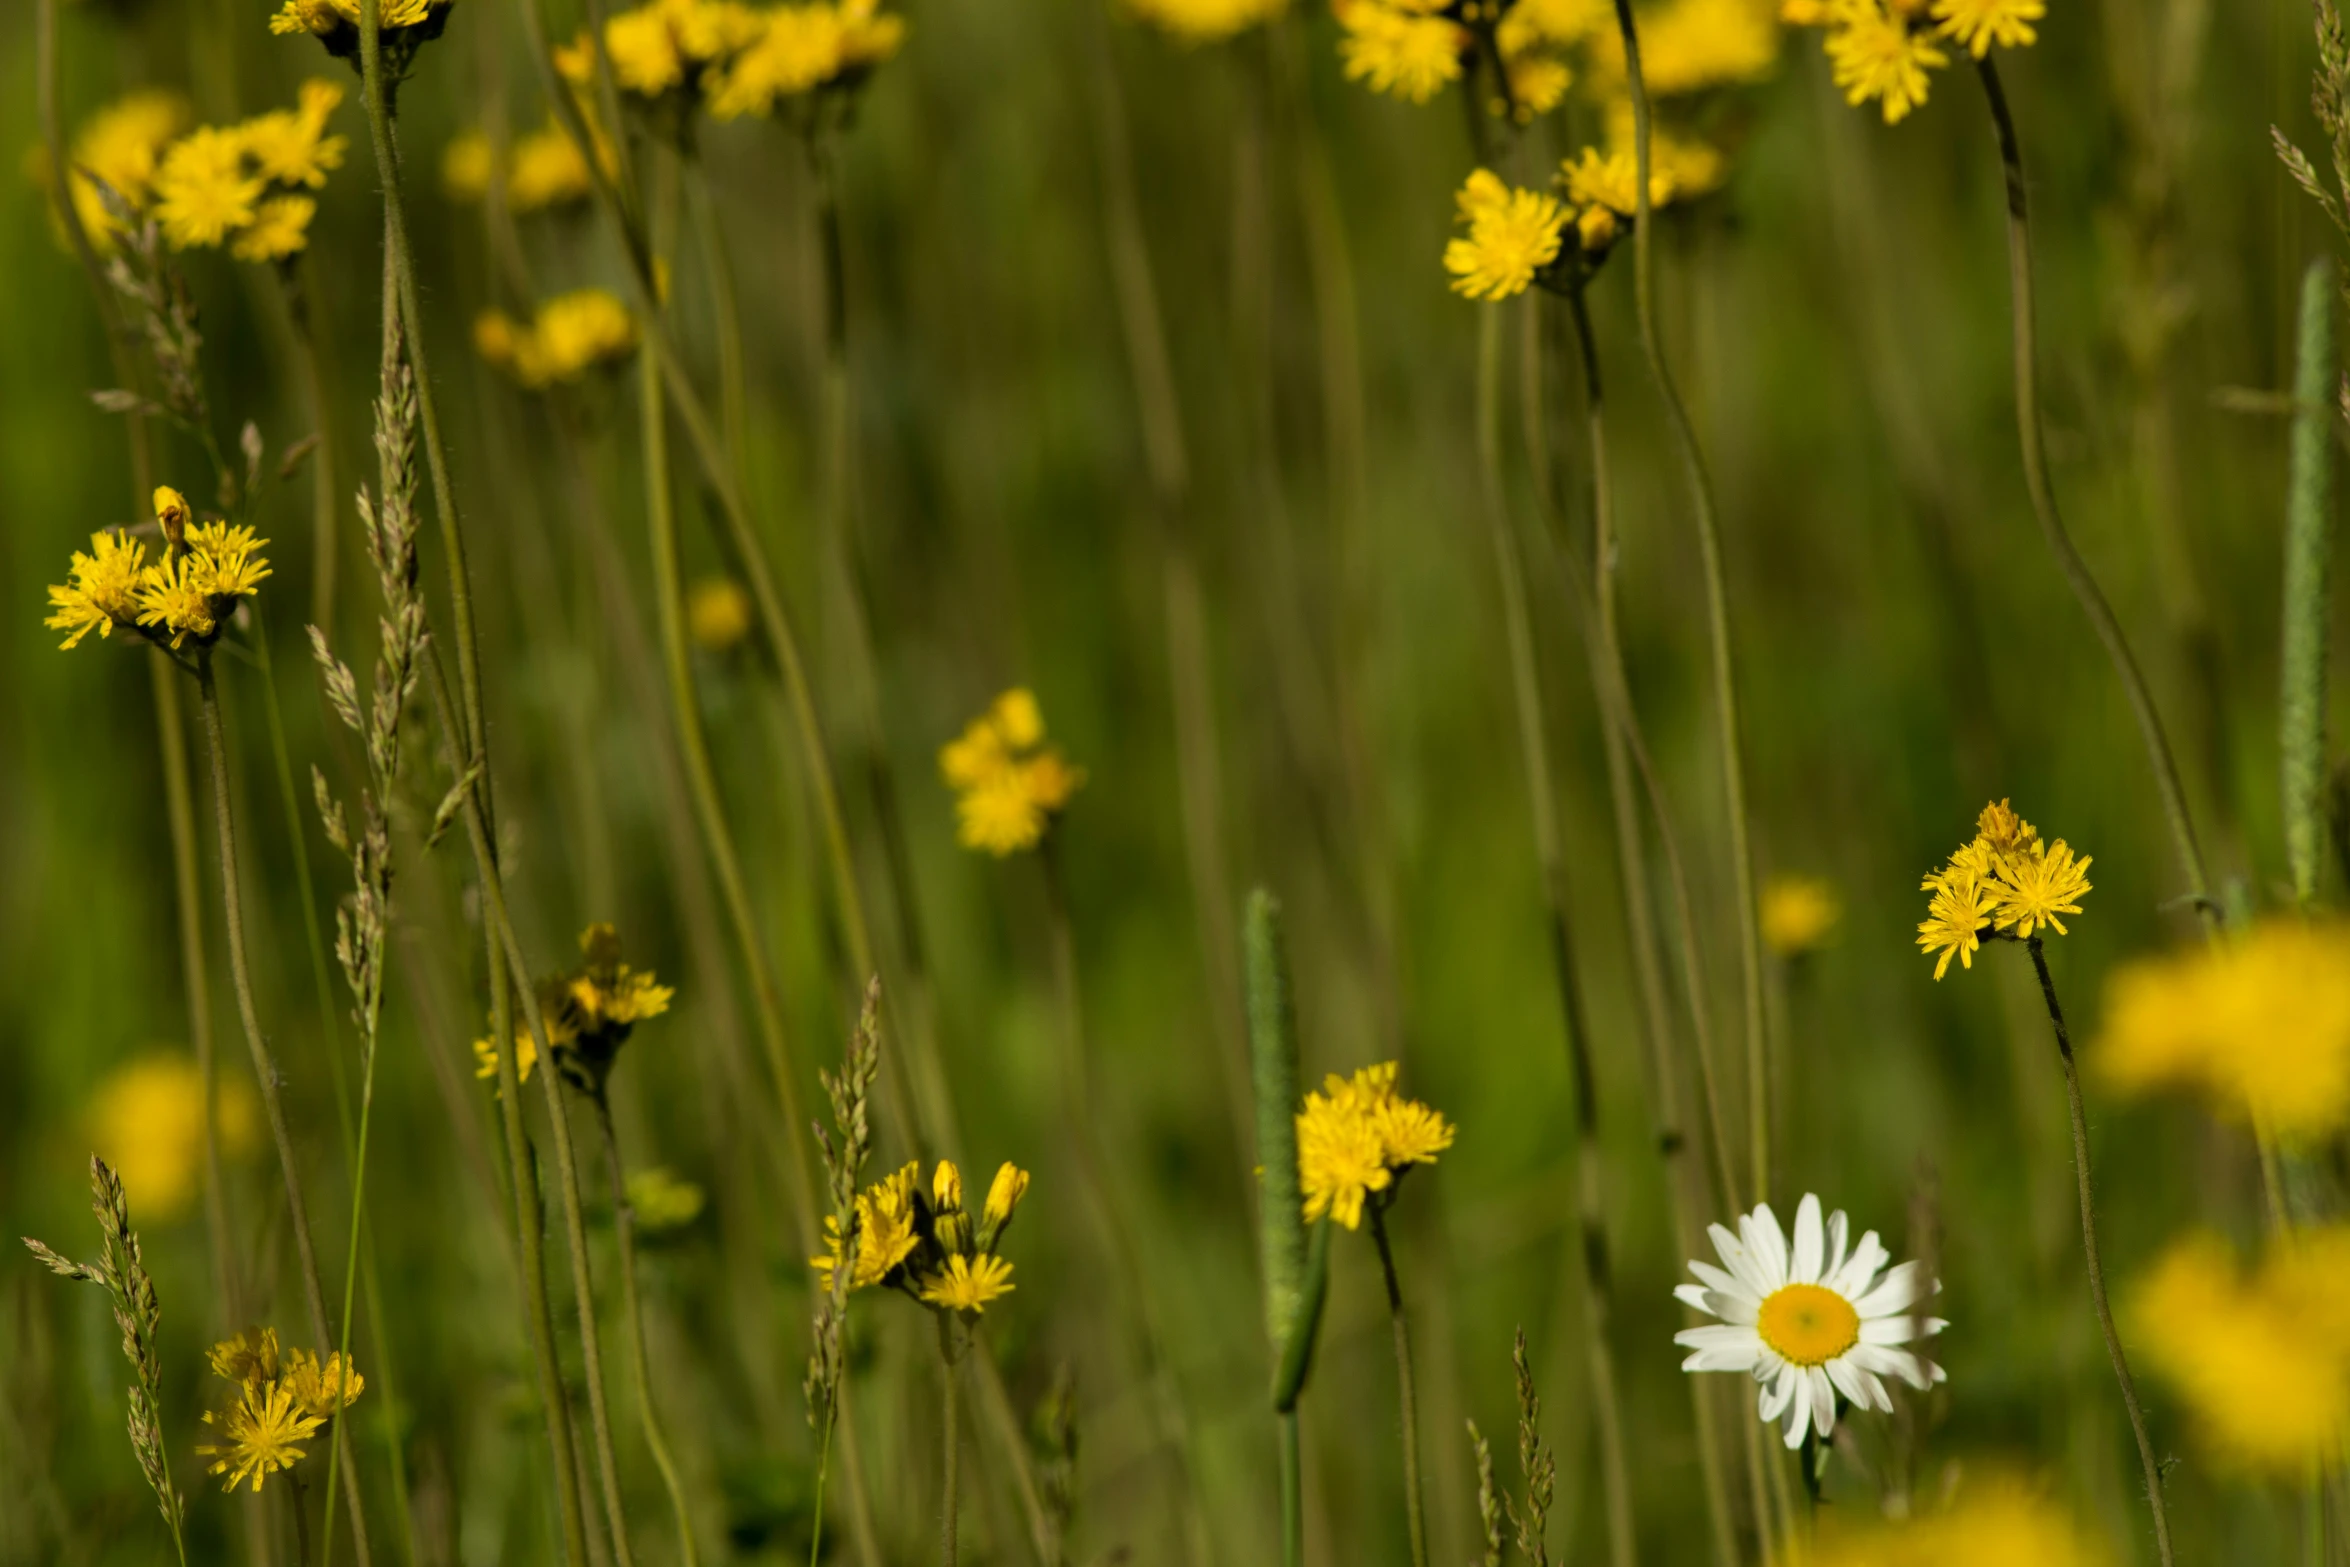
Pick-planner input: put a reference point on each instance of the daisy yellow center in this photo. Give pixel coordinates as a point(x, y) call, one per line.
point(1808, 1325)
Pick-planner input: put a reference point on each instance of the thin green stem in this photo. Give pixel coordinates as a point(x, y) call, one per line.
point(734, 410)
point(265, 1062)
point(624, 1228)
point(2076, 571)
point(2113, 1344)
point(1293, 1511)
point(1717, 608)
point(1407, 1397)
point(950, 1436)
point(310, 351)
point(823, 1473)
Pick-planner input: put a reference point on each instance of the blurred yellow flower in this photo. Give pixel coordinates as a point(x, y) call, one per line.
point(1206, 21)
point(337, 21)
point(1878, 58)
point(662, 1201)
point(467, 163)
point(322, 1388)
point(794, 49)
point(1356, 1136)
point(1009, 785)
point(1799, 913)
point(1513, 234)
point(147, 1120)
point(290, 146)
point(1694, 46)
point(121, 144)
point(203, 189)
point(968, 1283)
point(2003, 881)
point(570, 335)
point(1978, 24)
point(718, 613)
point(1403, 49)
point(280, 228)
point(663, 46)
point(2260, 1025)
point(1997, 1520)
point(2262, 1360)
point(1606, 186)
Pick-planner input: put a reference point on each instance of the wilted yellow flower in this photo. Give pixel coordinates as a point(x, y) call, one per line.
point(2259, 1025)
point(1009, 785)
point(968, 1283)
point(570, 335)
point(1978, 24)
point(1513, 235)
point(718, 613)
point(2263, 1361)
point(1993, 1521)
point(1877, 57)
point(203, 189)
point(257, 1434)
point(1799, 913)
point(663, 1202)
point(1400, 50)
point(120, 144)
point(1356, 1136)
point(1206, 21)
point(147, 1121)
point(249, 1358)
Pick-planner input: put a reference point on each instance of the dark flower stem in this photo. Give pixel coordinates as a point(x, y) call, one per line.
point(1407, 1397)
point(2113, 1343)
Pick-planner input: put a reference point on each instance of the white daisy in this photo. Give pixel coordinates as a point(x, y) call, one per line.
point(1811, 1323)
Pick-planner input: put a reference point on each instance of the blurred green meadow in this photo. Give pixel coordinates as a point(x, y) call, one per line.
point(1837, 314)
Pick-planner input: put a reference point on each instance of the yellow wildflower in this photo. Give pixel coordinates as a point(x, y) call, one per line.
point(322, 1389)
point(1978, 24)
point(2260, 1025)
point(1513, 235)
point(147, 1120)
point(663, 1202)
point(1009, 785)
point(258, 1433)
point(1798, 914)
point(1004, 1194)
point(1694, 46)
point(101, 591)
point(249, 1358)
point(330, 19)
point(290, 146)
point(718, 613)
point(1356, 1136)
point(1206, 21)
point(121, 144)
point(2002, 830)
point(2037, 885)
point(2263, 1361)
point(1400, 51)
point(467, 163)
point(526, 1056)
point(203, 189)
point(2003, 880)
point(569, 335)
point(1876, 56)
point(549, 170)
point(795, 49)
point(885, 1232)
point(968, 1283)
point(280, 228)
point(1999, 1520)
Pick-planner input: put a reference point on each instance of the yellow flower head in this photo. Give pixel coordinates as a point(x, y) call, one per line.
point(549, 170)
point(607, 993)
point(886, 1233)
point(290, 146)
point(250, 1359)
point(147, 1120)
point(1004, 1194)
point(2000, 829)
point(203, 188)
point(968, 1283)
point(570, 335)
point(1876, 56)
point(2263, 1361)
point(1799, 913)
point(2260, 1026)
point(946, 1187)
point(2003, 880)
point(794, 49)
point(1206, 21)
point(1009, 784)
point(1354, 1138)
point(280, 228)
point(121, 144)
point(1513, 234)
point(258, 1434)
point(1994, 1520)
point(337, 21)
point(322, 1389)
point(663, 1202)
point(1956, 917)
point(1976, 25)
point(718, 613)
point(467, 163)
point(2034, 886)
point(1694, 46)
point(1399, 49)
point(101, 589)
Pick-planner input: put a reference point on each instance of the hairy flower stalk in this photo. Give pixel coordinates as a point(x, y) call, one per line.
point(2308, 616)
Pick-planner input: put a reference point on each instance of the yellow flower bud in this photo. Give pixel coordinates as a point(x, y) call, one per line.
point(1004, 1194)
point(171, 509)
point(946, 1187)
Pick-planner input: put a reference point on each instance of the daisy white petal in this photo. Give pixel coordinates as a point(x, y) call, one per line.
point(1839, 1229)
point(1722, 1283)
point(1902, 1287)
point(1767, 1242)
point(1738, 1260)
point(1777, 1394)
point(1860, 1269)
point(1810, 1243)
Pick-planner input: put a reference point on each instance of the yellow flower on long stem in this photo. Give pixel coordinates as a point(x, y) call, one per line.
point(258, 1434)
point(2004, 881)
point(204, 191)
point(1356, 1136)
point(1400, 49)
point(1513, 234)
point(1877, 58)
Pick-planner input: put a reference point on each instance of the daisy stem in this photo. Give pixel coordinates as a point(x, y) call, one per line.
point(950, 1439)
point(624, 1230)
point(2113, 1343)
point(1542, 804)
point(2043, 495)
point(1407, 1397)
point(265, 1062)
point(1717, 605)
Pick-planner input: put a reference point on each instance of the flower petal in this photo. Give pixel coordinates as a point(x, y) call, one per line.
point(1903, 1286)
point(1739, 1260)
point(1860, 1269)
point(1810, 1243)
point(1767, 1243)
point(1823, 1402)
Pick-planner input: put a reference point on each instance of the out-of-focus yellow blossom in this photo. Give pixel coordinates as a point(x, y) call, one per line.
point(280, 228)
point(718, 613)
point(570, 335)
point(1605, 188)
point(1882, 50)
point(588, 1014)
point(663, 1202)
point(543, 169)
point(1799, 914)
point(204, 189)
point(2259, 1025)
point(281, 1400)
point(245, 185)
point(796, 49)
point(467, 163)
point(147, 1121)
point(1693, 46)
point(1989, 1521)
point(1206, 21)
point(1405, 50)
point(1356, 1137)
point(335, 23)
point(290, 146)
point(1975, 25)
point(1009, 784)
point(662, 47)
point(121, 144)
point(2263, 1360)
point(1513, 235)
point(2003, 881)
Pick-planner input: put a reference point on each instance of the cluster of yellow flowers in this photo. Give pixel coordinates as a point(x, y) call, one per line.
point(147, 1120)
point(1995, 1520)
point(738, 59)
point(565, 338)
point(543, 169)
point(2260, 1024)
point(243, 185)
point(2263, 1360)
point(1357, 1137)
point(282, 1400)
point(186, 594)
point(926, 1243)
point(2004, 881)
point(1798, 914)
point(1882, 49)
point(335, 23)
point(589, 1013)
point(1516, 237)
point(1009, 784)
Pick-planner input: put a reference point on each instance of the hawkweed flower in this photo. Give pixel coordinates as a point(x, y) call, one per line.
point(1883, 50)
point(2259, 1026)
point(1009, 784)
point(147, 1119)
point(185, 595)
point(247, 185)
point(1357, 1138)
point(926, 1243)
point(1818, 1325)
point(1197, 22)
point(283, 1399)
point(795, 52)
point(1512, 236)
point(588, 1012)
point(118, 147)
point(568, 336)
point(1799, 914)
point(2005, 882)
point(1999, 1519)
point(544, 169)
point(205, 188)
point(663, 53)
point(1409, 50)
point(406, 26)
point(2261, 1359)
point(718, 614)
